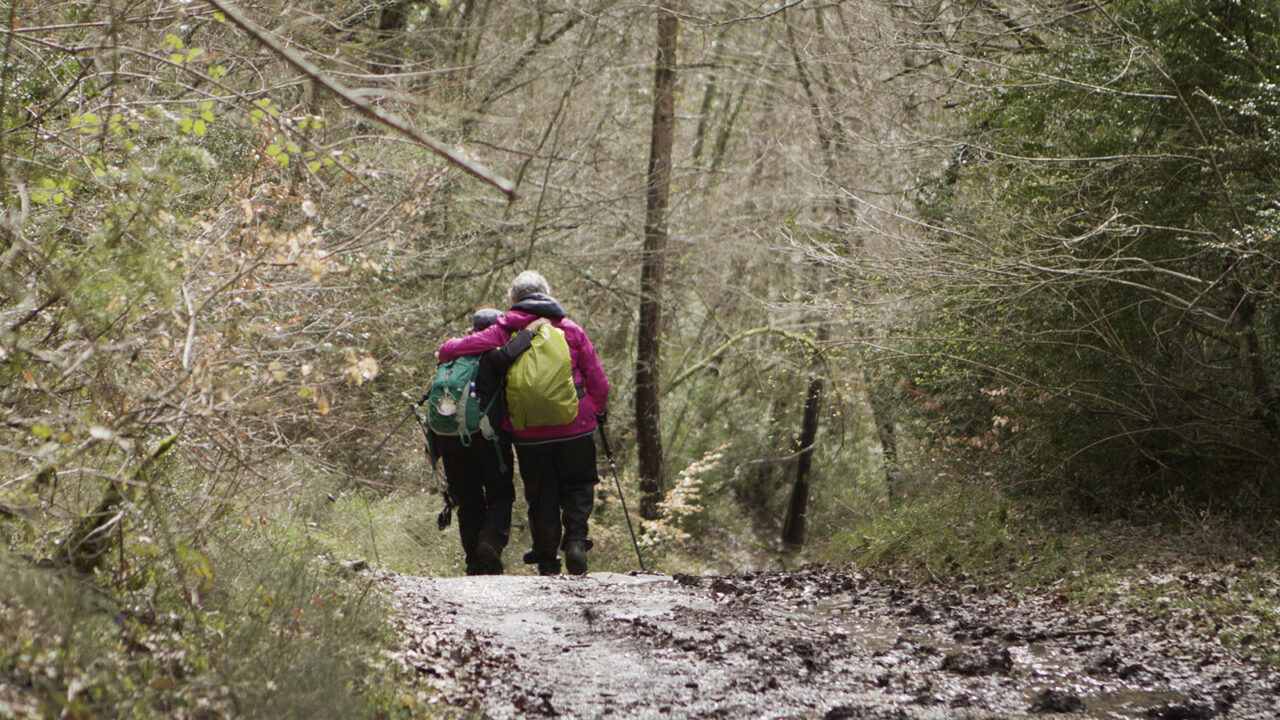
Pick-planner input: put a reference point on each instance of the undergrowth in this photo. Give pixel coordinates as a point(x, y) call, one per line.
point(260, 617)
point(1213, 573)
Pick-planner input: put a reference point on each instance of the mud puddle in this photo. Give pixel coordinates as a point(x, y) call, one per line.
point(809, 644)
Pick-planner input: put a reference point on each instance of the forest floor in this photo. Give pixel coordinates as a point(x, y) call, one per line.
point(815, 643)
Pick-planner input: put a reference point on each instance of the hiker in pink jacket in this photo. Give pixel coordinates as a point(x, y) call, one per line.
point(558, 462)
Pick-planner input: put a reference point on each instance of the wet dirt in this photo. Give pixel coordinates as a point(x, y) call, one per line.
point(815, 643)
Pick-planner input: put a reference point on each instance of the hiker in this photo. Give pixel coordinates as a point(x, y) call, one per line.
point(557, 458)
point(479, 472)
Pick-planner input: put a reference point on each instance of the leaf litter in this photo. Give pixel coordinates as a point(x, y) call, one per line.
point(813, 643)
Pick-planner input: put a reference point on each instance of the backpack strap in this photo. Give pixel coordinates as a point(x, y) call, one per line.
point(464, 435)
point(491, 434)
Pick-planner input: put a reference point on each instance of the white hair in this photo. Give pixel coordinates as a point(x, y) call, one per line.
point(527, 283)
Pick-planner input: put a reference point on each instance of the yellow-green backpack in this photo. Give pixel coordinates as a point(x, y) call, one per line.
point(540, 389)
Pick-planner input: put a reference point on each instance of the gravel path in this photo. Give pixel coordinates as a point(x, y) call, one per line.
point(809, 644)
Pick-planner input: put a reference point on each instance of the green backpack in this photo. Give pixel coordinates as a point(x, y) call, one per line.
point(452, 405)
point(540, 389)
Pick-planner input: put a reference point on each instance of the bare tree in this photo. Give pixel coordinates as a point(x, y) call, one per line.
point(657, 194)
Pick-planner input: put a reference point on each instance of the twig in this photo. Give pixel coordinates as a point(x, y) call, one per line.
point(191, 329)
point(724, 347)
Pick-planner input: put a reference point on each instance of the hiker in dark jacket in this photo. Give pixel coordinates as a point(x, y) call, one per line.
point(558, 462)
point(479, 474)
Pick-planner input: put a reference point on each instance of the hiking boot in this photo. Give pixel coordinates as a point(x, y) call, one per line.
point(575, 557)
point(549, 568)
point(488, 558)
point(529, 558)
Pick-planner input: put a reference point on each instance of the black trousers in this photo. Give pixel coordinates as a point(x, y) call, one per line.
point(559, 485)
point(482, 490)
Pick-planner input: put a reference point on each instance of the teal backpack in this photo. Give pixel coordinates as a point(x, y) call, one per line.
point(452, 405)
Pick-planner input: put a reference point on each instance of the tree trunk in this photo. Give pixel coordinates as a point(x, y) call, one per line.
point(883, 414)
point(391, 24)
point(757, 489)
point(709, 95)
point(794, 526)
point(88, 542)
point(1251, 355)
point(648, 341)
point(726, 132)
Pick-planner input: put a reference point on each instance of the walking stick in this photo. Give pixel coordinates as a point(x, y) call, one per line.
point(413, 410)
point(613, 467)
point(446, 515)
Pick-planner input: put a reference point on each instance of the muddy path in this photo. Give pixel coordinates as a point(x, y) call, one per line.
point(808, 644)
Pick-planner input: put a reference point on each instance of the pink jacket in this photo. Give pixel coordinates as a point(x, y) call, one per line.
point(588, 373)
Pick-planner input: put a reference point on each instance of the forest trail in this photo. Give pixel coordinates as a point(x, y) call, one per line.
point(813, 643)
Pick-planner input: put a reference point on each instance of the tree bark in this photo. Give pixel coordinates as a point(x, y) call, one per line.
point(795, 524)
point(658, 190)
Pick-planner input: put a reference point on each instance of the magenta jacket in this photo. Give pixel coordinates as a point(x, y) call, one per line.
point(588, 373)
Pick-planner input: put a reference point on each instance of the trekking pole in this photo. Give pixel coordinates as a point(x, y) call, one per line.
point(446, 514)
point(608, 453)
point(413, 410)
point(368, 512)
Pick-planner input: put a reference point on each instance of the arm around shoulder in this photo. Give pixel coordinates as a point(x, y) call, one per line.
point(474, 344)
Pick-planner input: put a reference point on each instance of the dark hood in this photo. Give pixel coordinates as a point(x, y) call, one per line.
point(541, 305)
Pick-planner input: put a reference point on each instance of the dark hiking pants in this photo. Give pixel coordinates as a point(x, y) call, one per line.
point(482, 491)
point(559, 486)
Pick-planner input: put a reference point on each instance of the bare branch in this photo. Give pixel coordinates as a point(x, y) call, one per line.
point(304, 66)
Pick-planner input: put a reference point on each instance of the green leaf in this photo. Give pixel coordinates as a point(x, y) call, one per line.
point(199, 128)
point(42, 431)
point(217, 72)
point(273, 150)
point(184, 125)
point(219, 17)
point(292, 147)
point(173, 41)
point(314, 166)
point(194, 53)
point(176, 58)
